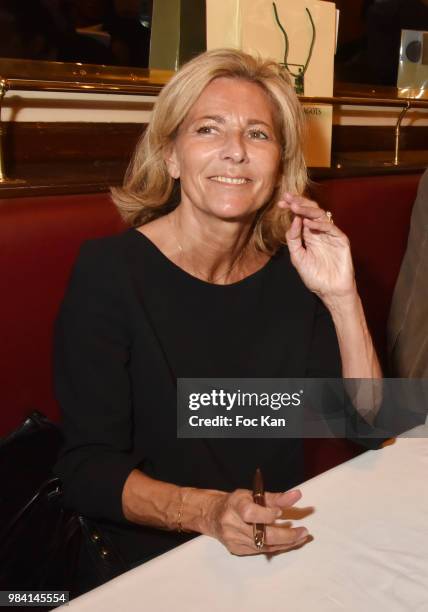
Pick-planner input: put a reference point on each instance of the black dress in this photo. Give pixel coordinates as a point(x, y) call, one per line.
point(131, 323)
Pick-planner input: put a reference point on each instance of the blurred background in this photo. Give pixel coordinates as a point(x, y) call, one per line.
point(369, 37)
point(112, 32)
point(117, 33)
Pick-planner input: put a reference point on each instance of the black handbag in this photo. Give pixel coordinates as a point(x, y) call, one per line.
point(40, 541)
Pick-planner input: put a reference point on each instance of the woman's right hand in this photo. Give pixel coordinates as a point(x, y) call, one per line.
point(230, 518)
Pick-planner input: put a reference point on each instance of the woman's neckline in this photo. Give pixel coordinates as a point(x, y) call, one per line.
point(174, 266)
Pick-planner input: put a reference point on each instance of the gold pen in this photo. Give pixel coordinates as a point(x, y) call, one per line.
point(259, 529)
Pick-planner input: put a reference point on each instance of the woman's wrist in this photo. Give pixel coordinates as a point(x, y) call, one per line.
point(345, 305)
point(199, 509)
point(164, 505)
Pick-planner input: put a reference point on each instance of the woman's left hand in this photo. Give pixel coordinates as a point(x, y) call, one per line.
point(319, 250)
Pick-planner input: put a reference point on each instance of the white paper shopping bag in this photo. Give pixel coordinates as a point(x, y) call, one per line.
point(299, 33)
point(305, 24)
point(223, 24)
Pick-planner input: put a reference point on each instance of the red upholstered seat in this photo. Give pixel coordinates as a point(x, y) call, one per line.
point(375, 214)
point(40, 238)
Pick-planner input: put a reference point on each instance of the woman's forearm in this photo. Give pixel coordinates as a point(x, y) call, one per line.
point(163, 505)
point(359, 359)
point(361, 370)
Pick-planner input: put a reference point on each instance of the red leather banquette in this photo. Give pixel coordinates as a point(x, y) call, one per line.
point(40, 238)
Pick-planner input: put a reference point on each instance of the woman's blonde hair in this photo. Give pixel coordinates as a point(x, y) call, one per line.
point(149, 191)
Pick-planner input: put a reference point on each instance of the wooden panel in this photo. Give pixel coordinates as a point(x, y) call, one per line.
point(68, 141)
point(89, 157)
point(67, 157)
point(378, 138)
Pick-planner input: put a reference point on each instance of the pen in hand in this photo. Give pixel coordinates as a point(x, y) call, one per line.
point(259, 529)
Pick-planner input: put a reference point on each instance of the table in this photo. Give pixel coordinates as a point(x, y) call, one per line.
point(369, 553)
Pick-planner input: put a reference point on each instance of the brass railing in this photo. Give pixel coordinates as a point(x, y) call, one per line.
point(405, 104)
point(148, 87)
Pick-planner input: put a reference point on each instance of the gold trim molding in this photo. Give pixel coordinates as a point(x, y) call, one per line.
point(95, 78)
point(91, 78)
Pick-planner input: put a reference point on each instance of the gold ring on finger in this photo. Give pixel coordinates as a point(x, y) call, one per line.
point(329, 216)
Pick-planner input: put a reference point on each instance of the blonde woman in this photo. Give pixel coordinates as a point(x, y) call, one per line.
point(227, 271)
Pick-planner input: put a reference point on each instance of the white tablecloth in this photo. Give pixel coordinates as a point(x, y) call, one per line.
point(369, 551)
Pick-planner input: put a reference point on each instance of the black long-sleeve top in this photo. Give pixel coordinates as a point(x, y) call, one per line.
point(131, 323)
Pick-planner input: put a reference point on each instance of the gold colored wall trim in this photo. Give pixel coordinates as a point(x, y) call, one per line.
point(366, 101)
point(29, 75)
point(32, 75)
point(87, 87)
point(71, 77)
